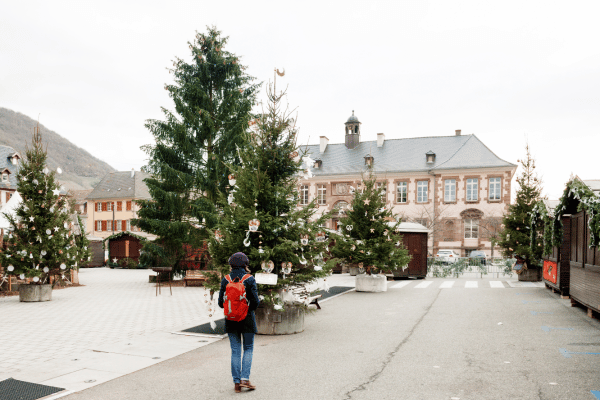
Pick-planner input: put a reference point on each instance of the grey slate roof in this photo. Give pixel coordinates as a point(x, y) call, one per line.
point(118, 185)
point(6, 153)
point(406, 155)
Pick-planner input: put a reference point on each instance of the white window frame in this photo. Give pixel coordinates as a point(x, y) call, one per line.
point(384, 186)
point(108, 206)
point(471, 229)
point(422, 192)
point(472, 189)
point(450, 190)
point(495, 190)
point(5, 177)
point(402, 192)
point(322, 195)
point(303, 195)
point(128, 226)
point(98, 226)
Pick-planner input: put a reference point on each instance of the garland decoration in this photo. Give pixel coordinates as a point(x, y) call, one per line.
point(539, 217)
point(586, 200)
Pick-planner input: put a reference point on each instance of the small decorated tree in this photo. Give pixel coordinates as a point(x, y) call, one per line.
point(40, 241)
point(371, 239)
point(260, 215)
point(515, 239)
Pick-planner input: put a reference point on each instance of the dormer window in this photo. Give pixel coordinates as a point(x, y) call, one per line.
point(369, 160)
point(318, 164)
point(15, 158)
point(430, 157)
point(4, 177)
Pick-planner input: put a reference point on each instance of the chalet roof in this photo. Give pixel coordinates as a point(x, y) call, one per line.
point(6, 154)
point(407, 155)
point(121, 185)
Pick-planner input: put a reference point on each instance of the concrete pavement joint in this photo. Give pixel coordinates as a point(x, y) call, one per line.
point(391, 355)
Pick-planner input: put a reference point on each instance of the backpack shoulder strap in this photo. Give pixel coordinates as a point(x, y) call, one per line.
point(228, 278)
point(246, 277)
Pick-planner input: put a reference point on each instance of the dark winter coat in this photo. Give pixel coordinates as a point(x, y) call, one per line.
point(248, 325)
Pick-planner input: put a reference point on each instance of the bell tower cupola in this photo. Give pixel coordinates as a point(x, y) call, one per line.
point(352, 131)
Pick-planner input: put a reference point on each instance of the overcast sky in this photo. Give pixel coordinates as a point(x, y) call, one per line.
point(509, 72)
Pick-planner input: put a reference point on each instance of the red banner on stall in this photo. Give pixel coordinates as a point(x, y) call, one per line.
point(550, 271)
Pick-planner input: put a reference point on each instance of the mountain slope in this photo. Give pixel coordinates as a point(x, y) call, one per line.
point(81, 170)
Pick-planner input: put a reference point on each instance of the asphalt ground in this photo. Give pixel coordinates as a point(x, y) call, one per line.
point(406, 343)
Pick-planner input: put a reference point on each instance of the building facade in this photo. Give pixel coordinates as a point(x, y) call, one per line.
point(453, 185)
point(9, 164)
point(111, 205)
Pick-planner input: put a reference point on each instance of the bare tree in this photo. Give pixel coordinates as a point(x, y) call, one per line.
point(432, 219)
point(491, 227)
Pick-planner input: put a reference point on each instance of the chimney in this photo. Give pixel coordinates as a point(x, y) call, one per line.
point(380, 139)
point(457, 132)
point(324, 143)
point(132, 172)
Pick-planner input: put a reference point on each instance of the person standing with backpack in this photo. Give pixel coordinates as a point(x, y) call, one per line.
point(239, 298)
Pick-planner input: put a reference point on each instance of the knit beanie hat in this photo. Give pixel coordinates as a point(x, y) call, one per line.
point(238, 260)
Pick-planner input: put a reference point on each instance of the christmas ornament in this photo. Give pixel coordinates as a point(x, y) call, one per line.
point(56, 192)
point(247, 240)
point(353, 247)
point(367, 201)
point(36, 279)
point(10, 268)
point(31, 219)
point(267, 266)
point(318, 268)
point(302, 260)
point(304, 240)
point(48, 232)
point(232, 180)
point(35, 182)
point(45, 170)
point(372, 230)
point(46, 269)
point(22, 276)
point(43, 252)
point(286, 267)
point(253, 225)
point(320, 237)
point(63, 266)
point(349, 228)
point(218, 236)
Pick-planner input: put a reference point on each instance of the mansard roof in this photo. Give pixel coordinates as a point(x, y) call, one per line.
point(6, 154)
point(407, 155)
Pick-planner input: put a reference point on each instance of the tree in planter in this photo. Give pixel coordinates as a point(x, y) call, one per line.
point(260, 215)
point(369, 239)
point(213, 97)
point(40, 241)
point(515, 238)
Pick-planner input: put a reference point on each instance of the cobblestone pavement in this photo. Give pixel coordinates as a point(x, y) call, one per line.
point(112, 306)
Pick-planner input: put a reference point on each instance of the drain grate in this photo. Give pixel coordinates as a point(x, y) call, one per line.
point(12, 389)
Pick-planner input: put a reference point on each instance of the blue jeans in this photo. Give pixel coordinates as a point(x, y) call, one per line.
point(240, 366)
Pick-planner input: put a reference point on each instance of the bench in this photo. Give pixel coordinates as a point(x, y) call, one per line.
point(194, 276)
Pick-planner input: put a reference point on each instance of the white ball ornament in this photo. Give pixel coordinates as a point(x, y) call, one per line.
point(43, 252)
point(35, 181)
point(46, 170)
point(46, 269)
point(48, 232)
point(10, 268)
point(63, 266)
point(22, 276)
point(36, 279)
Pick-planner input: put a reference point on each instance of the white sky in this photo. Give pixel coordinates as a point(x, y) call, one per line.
point(507, 71)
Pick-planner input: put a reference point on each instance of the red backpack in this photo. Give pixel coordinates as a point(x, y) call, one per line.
point(235, 301)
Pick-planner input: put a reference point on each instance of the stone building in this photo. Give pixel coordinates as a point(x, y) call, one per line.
point(454, 185)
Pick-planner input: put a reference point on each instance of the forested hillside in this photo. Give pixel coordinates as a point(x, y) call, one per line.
point(81, 170)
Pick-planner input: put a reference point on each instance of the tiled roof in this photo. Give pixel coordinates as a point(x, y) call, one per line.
point(6, 153)
point(406, 155)
point(120, 185)
point(80, 195)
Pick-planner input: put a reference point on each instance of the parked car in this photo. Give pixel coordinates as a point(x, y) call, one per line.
point(478, 257)
point(448, 256)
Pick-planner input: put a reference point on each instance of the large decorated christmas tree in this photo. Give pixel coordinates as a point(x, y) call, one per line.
point(40, 241)
point(212, 97)
point(370, 231)
point(260, 215)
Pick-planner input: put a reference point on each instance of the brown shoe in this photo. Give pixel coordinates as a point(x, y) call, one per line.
point(238, 388)
point(247, 385)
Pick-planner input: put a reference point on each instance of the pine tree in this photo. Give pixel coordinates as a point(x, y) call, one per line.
point(515, 238)
point(370, 240)
point(40, 241)
point(288, 240)
point(213, 97)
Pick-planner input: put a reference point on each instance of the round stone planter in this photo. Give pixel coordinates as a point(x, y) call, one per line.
point(371, 283)
point(29, 293)
point(288, 321)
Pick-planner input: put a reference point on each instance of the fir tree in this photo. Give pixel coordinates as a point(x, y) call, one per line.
point(288, 240)
point(515, 238)
point(213, 97)
point(40, 241)
point(370, 240)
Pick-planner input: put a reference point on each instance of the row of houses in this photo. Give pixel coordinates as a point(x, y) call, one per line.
point(454, 185)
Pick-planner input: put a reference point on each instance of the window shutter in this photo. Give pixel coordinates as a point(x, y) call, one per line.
point(123, 225)
point(104, 225)
point(103, 206)
point(119, 206)
point(129, 206)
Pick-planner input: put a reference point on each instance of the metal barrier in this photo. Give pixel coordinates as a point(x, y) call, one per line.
point(440, 267)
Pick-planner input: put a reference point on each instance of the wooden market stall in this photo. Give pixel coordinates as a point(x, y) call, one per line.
point(584, 265)
point(414, 237)
point(124, 245)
